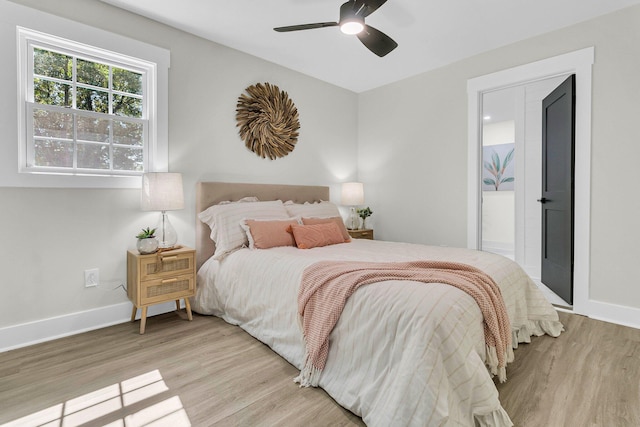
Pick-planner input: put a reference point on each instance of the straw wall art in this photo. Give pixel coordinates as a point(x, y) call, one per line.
point(268, 121)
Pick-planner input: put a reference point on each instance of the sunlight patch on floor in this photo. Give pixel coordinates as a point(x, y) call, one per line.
point(107, 400)
point(168, 413)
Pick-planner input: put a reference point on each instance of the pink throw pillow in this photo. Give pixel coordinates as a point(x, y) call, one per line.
point(269, 234)
point(313, 236)
point(336, 219)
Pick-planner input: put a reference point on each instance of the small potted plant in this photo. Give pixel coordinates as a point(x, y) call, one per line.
point(147, 242)
point(364, 213)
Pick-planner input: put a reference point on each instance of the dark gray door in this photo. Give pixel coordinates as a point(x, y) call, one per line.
point(557, 201)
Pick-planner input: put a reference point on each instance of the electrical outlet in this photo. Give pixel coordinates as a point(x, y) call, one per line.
point(91, 277)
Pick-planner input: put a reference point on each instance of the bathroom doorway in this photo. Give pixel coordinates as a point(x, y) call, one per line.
point(512, 174)
point(580, 63)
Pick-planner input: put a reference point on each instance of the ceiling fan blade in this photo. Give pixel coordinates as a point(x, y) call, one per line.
point(305, 27)
point(367, 7)
point(376, 41)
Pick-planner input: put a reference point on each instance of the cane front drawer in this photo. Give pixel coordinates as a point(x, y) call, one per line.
point(161, 277)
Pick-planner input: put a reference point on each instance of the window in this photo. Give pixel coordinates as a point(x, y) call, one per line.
point(85, 111)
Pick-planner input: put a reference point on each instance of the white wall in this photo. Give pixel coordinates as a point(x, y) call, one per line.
point(498, 207)
point(498, 221)
point(413, 135)
point(499, 132)
point(50, 236)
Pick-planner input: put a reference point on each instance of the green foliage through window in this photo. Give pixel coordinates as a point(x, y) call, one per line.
point(86, 114)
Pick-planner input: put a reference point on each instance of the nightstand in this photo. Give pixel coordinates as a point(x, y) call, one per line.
point(156, 278)
point(365, 233)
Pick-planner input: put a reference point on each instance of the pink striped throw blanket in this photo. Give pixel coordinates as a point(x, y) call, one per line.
point(326, 286)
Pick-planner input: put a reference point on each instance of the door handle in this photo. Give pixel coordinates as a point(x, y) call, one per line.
point(542, 200)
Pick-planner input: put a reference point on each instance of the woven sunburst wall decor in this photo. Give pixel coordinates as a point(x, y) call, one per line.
point(268, 121)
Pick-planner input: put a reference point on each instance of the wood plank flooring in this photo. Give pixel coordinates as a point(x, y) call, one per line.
point(589, 376)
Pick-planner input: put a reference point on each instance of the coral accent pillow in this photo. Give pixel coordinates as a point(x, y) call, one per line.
point(313, 236)
point(269, 234)
point(336, 219)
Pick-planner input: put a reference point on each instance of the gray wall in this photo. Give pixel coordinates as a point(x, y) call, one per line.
point(413, 148)
point(50, 236)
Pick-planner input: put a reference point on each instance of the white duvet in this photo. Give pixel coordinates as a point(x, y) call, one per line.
point(402, 353)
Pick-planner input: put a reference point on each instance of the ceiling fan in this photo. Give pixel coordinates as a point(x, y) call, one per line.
point(352, 14)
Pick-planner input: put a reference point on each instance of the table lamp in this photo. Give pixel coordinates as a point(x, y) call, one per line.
point(162, 191)
point(352, 195)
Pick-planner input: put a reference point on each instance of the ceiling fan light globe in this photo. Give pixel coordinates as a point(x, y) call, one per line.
point(351, 27)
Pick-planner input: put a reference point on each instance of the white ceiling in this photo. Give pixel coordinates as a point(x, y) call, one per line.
point(430, 34)
point(499, 105)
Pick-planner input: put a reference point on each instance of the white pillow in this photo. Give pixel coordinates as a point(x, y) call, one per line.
point(225, 222)
point(312, 210)
point(244, 199)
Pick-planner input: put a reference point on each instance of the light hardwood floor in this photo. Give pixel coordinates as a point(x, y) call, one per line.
point(589, 376)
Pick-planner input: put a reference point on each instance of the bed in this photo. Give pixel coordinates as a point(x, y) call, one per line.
point(402, 352)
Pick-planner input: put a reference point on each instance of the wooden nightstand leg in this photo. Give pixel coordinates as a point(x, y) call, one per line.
point(187, 306)
point(177, 305)
point(143, 320)
point(133, 313)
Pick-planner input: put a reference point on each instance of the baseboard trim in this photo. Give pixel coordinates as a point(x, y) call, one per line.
point(613, 313)
point(600, 310)
point(30, 333)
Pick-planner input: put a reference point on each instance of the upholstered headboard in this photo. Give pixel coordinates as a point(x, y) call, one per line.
point(211, 193)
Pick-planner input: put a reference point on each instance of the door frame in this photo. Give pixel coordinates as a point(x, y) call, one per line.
point(580, 63)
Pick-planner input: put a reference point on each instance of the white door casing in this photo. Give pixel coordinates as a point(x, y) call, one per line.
point(580, 63)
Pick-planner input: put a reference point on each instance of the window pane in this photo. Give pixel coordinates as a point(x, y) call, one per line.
point(93, 156)
point(52, 124)
point(51, 93)
point(92, 73)
point(53, 153)
point(88, 109)
point(129, 159)
point(127, 133)
point(51, 64)
point(92, 100)
point(127, 81)
point(90, 129)
point(127, 106)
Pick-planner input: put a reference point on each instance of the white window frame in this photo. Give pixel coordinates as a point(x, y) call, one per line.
point(30, 39)
point(12, 110)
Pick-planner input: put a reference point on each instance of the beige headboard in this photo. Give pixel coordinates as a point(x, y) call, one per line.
point(211, 193)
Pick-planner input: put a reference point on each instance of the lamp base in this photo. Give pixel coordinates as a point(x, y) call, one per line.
point(353, 223)
point(166, 234)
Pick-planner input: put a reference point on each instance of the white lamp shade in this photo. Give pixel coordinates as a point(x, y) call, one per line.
point(352, 193)
point(162, 191)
